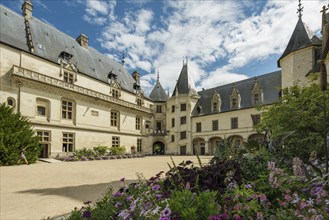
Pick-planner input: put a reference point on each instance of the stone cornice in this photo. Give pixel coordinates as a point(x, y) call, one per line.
point(38, 77)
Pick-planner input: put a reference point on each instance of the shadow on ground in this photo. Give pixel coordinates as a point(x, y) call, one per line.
point(81, 193)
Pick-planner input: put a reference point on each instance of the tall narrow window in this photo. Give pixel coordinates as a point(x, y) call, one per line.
point(172, 122)
point(67, 109)
point(255, 119)
point(115, 141)
point(183, 120)
point(256, 93)
point(183, 135)
point(114, 119)
point(215, 125)
point(159, 126)
point(172, 108)
point(68, 142)
point(139, 145)
point(115, 93)
point(234, 123)
point(198, 127)
point(41, 110)
point(183, 107)
point(159, 109)
point(139, 102)
point(172, 138)
point(215, 108)
point(11, 101)
point(68, 77)
point(235, 98)
point(138, 123)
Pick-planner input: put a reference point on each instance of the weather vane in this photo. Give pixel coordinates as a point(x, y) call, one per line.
point(300, 9)
point(123, 58)
point(158, 76)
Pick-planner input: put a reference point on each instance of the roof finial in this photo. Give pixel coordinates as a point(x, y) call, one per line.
point(300, 9)
point(158, 76)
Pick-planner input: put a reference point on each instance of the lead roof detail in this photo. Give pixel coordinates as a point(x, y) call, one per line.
point(50, 42)
point(185, 84)
point(158, 94)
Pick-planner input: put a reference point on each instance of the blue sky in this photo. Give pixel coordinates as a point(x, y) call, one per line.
point(224, 40)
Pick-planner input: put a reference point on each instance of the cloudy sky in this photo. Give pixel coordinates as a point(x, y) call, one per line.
point(224, 40)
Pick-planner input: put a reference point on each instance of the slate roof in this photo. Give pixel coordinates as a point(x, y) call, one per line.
point(184, 83)
point(302, 37)
point(158, 94)
point(270, 84)
point(50, 42)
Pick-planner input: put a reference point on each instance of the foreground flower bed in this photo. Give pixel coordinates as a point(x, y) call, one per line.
point(216, 191)
point(72, 158)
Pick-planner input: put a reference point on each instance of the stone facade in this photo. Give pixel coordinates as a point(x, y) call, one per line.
point(75, 102)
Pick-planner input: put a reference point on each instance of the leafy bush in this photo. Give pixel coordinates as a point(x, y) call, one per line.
point(100, 150)
point(118, 150)
point(84, 152)
point(16, 133)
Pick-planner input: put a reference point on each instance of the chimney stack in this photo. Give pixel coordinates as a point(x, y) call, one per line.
point(83, 40)
point(27, 9)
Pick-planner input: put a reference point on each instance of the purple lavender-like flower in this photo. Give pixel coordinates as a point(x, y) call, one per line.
point(129, 197)
point(237, 217)
point(164, 218)
point(117, 194)
point(166, 212)
point(158, 196)
point(118, 205)
point(224, 216)
point(124, 214)
point(214, 217)
point(155, 187)
point(86, 214)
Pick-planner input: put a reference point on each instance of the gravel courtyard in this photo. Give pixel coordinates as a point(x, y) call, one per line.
point(52, 189)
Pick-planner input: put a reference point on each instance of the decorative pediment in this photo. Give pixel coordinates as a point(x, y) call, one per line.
point(235, 98)
point(216, 102)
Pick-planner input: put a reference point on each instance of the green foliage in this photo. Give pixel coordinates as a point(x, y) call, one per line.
point(16, 133)
point(84, 152)
point(193, 206)
point(296, 124)
point(118, 150)
point(100, 150)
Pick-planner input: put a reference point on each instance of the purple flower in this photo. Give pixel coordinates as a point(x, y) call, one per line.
point(224, 216)
point(156, 187)
point(166, 212)
point(164, 218)
point(158, 196)
point(117, 194)
point(214, 217)
point(260, 216)
point(118, 205)
point(237, 217)
point(86, 214)
point(129, 197)
point(124, 214)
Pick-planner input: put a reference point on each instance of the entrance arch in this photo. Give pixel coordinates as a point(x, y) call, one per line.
point(213, 144)
point(236, 140)
point(260, 138)
point(158, 148)
point(199, 146)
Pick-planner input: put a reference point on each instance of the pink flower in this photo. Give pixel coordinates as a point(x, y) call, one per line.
point(288, 198)
point(262, 197)
point(260, 216)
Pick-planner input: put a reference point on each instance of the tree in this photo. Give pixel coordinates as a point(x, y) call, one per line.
point(16, 132)
point(299, 122)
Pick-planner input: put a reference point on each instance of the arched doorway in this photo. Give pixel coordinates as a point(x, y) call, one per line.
point(199, 146)
point(236, 140)
point(213, 144)
point(260, 138)
point(158, 148)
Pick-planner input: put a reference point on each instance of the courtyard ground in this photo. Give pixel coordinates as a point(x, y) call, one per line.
point(44, 190)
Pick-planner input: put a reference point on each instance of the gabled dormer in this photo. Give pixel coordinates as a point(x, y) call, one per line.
point(115, 87)
point(68, 70)
point(140, 98)
point(216, 102)
point(256, 94)
point(235, 98)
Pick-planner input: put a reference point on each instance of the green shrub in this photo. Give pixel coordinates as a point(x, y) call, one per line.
point(84, 152)
point(118, 150)
point(16, 133)
point(100, 150)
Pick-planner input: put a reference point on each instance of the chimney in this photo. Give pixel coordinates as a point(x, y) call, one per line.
point(136, 77)
point(83, 40)
point(27, 9)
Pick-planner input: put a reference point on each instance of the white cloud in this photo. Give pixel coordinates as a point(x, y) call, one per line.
point(218, 37)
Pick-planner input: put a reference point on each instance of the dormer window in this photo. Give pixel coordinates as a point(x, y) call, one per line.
point(215, 102)
point(65, 56)
point(139, 102)
point(199, 109)
point(256, 94)
point(235, 98)
point(137, 87)
point(112, 76)
point(68, 77)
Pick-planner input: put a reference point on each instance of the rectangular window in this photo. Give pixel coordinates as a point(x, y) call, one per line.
point(115, 93)
point(68, 77)
point(172, 108)
point(139, 102)
point(67, 109)
point(256, 98)
point(172, 122)
point(234, 103)
point(138, 123)
point(172, 138)
point(183, 107)
point(115, 141)
point(139, 145)
point(41, 110)
point(159, 125)
point(114, 119)
point(159, 108)
point(255, 119)
point(234, 123)
point(215, 125)
point(44, 136)
point(198, 127)
point(68, 142)
point(215, 107)
point(183, 135)
point(183, 120)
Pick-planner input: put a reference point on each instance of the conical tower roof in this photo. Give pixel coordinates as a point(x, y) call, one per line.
point(185, 83)
point(302, 37)
point(158, 94)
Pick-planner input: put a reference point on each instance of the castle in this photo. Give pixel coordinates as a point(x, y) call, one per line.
point(76, 97)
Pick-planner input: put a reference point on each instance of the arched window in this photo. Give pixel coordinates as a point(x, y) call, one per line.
point(215, 102)
point(43, 108)
point(11, 102)
point(256, 94)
